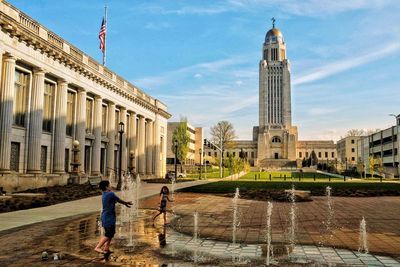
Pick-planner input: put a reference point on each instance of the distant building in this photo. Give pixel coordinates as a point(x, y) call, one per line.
point(384, 144)
point(324, 150)
point(195, 144)
point(347, 151)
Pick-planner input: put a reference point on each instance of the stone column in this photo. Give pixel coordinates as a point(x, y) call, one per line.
point(141, 146)
point(111, 138)
point(149, 147)
point(81, 127)
point(157, 156)
point(60, 120)
point(36, 122)
point(132, 139)
point(96, 150)
point(122, 146)
point(7, 78)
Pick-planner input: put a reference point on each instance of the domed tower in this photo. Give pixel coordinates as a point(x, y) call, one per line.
point(277, 137)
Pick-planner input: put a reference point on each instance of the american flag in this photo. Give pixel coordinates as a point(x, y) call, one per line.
point(102, 35)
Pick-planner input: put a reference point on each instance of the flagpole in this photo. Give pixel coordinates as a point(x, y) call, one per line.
point(105, 36)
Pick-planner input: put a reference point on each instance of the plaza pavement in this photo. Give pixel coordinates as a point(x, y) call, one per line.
point(10, 220)
point(382, 215)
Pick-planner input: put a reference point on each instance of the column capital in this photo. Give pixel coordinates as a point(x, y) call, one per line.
point(97, 97)
point(62, 82)
point(38, 71)
point(81, 90)
point(9, 57)
point(121, 108)
point(148, 120)
point(110, 103)
point(140, 116)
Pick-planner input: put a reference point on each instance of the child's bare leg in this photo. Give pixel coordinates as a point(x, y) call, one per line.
point(102, 241)
point(165, 217)
point(107, 245)
point(157, 216)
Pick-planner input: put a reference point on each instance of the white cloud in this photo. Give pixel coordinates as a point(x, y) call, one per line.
point(198, 75)
point(317, 111)
point(346, 64)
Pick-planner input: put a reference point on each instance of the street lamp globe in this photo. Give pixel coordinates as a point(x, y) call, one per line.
point(121, 127)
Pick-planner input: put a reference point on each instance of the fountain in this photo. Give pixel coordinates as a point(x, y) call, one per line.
point(329, 220)
point(137, 194)
point(195, 233)
point(268, 233)
point(292, 215)
point(363, 242)
point(235, 222)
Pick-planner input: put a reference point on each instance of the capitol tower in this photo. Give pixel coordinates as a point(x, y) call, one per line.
point(276, 136)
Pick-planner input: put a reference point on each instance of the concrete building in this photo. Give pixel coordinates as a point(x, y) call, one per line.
point(52, 94)
point(384, 145)
point(325, 150)
point(195, 144)
point(347, 151)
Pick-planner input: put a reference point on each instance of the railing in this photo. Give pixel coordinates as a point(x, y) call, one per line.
point(54, 39)
point(120, 82)
point(28, 23)
point(75, 53)
point(108, 73)
point(93, 64)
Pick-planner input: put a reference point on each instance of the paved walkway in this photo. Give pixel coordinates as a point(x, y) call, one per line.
point(19, 218)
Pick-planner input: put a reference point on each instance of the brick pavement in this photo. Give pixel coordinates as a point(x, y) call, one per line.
point(215, 220)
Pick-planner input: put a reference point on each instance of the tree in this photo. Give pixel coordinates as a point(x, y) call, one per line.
point(181, 135)
point(223, 132)
point(375, 165)
point(314, 158)
point(372, 131)
point(355, 132)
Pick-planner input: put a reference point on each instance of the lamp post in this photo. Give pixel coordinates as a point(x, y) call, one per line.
point(176, 156)
point(200, 162)
point(121, 130)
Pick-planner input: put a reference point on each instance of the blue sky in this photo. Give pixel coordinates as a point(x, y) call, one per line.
point(201, 57)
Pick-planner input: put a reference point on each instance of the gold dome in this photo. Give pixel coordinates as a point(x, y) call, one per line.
point(274, 35)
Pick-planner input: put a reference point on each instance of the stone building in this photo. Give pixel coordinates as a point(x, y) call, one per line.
point(347, 151)
point(275, 141)
point(52, 94)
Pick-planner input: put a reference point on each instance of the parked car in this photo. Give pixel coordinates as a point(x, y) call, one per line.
point(171, 174)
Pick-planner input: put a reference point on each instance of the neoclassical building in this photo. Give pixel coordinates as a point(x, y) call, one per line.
point(275, 141)
point(52, 94)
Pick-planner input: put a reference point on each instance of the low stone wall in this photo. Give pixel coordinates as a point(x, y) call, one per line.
point(18, 182)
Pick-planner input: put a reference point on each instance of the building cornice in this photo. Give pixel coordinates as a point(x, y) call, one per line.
point(19, 25)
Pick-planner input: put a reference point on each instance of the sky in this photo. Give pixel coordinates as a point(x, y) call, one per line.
point(200, 57)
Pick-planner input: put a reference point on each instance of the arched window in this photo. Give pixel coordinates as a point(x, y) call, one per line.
point(276, 139)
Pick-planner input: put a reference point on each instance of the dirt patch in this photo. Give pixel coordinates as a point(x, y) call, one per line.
point(47, 196)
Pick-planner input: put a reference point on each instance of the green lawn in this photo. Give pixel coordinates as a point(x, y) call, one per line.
point(210, 175)
point(280, 176)
point(230, 186)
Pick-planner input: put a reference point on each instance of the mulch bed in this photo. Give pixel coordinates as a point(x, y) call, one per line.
point(53, 195)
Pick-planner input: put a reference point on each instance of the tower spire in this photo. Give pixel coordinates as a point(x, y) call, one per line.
point(273, 22)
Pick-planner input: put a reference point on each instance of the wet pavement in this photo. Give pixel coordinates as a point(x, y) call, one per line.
point(155, 245)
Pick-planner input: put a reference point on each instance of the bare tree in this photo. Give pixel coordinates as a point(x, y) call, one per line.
point(222, 133)
point(372, 131)
point(355, 132)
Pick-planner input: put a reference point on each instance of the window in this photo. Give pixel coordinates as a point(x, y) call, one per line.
point(215, 154)
point(47, 106)
point(43, 158)
point(353, 150)
point(252, 154)
point(117, 120)
point(300, 155)
point(276, 139)
point(319, 155)
point(89, 116)
point(227, 154)
point(21, 88)
point(353, 158)
point(70, 113)
point(66, 160)
point(104, 112)
point(326, 154)
point(209, 154)
point(234, 154)
point(352, 141)
point(306, 154)
point(333, 154)
point(14, 159)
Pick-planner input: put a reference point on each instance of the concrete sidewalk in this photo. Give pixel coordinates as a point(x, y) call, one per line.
point(20, 218)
